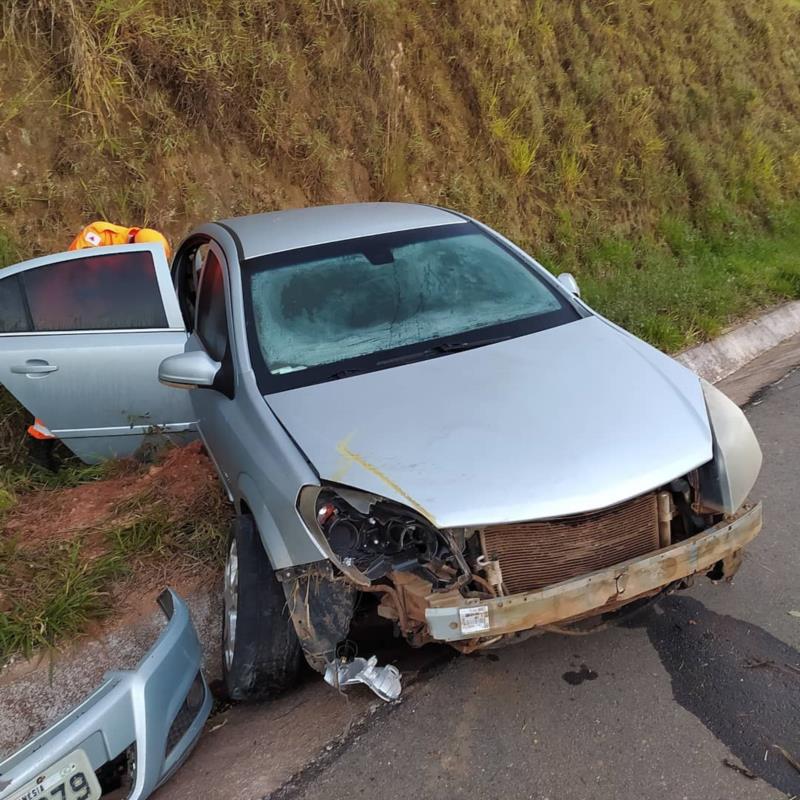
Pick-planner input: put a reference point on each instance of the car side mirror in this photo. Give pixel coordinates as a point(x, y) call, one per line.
point(192, 370)
point(567, 280)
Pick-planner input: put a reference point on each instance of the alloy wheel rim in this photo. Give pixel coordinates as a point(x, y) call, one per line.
point(231, 603)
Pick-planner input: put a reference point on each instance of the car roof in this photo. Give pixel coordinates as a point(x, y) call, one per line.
point(277, 231)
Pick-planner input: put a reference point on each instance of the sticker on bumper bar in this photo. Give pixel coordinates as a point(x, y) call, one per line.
point(474, 619)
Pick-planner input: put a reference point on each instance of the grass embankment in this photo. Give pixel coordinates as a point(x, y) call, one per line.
point(689, 287)
point(643, 146)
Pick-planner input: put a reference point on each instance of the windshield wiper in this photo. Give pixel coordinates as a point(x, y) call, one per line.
point(343, 373)
point(458, 347)
point(441, 349)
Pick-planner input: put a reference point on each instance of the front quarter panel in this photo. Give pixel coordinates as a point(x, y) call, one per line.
point(271, 470)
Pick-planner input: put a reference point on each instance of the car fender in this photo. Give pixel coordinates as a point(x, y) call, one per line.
point(248, 495)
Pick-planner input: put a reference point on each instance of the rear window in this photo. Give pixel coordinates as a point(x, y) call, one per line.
point(99, 292)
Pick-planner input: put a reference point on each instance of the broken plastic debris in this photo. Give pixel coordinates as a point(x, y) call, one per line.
point(384, 681)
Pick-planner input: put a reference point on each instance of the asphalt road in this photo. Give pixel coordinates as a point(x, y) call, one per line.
point(657, 708)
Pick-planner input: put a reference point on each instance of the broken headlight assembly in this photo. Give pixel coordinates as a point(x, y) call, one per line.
point(727, 479)
point(367, 536)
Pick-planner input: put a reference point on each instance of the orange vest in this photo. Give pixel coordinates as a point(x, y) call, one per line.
point(102, 233)
point(98, 234)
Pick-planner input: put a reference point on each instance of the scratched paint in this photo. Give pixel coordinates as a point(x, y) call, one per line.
point(343, 448)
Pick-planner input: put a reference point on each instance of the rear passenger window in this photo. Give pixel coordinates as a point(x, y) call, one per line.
point(98, 292)
point(13, 314)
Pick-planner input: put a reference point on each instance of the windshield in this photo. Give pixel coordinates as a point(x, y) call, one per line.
point(358, 304)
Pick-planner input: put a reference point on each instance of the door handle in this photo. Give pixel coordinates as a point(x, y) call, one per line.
point(34, 367)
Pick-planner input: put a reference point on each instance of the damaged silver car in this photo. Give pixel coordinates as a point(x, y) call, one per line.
point(130, 734)
point(401, 402)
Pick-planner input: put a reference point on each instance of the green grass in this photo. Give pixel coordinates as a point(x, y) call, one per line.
point(8, 251)
point(690, 286)
point(71, 472)
point(150, 528)
point(18, 477)
point(13, 422)
point(51, 593)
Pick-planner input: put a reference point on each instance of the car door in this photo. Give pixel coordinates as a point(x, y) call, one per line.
point(81, 337)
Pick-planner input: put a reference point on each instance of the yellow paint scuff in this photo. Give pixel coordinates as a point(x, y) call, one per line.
point(343, 448)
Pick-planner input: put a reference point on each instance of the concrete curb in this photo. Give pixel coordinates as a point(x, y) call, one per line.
point(35, 694)
point(726, 354)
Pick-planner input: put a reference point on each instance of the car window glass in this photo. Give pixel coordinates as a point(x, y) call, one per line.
point(346, 305)
point(212, 325)
point(102, 291)
point(187, 275)
point(13, 315)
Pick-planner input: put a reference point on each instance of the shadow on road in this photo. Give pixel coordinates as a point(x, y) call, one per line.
point(741, 682)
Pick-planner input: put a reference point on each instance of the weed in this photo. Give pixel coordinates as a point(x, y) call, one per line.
point(71, 472)
point(50, 593)
point(51, 589)
point(13, 421)
point(570, 172)
point(8, 252)
point(149, 526)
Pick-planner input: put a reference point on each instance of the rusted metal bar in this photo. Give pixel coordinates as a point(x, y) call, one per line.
point(578, 597)
point(382, 588)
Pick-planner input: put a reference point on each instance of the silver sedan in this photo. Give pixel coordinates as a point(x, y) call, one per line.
point(400, 403)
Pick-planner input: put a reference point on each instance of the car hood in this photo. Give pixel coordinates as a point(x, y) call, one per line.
point(559, 422)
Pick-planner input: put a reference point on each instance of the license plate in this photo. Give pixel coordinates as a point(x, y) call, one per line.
point(71, 778)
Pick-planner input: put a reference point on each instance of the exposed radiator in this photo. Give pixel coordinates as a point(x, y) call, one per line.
point(539, 553)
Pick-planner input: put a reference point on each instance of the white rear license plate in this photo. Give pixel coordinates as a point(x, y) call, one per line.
point(71, 778)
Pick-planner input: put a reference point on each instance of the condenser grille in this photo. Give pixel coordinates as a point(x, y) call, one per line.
point(540, 553)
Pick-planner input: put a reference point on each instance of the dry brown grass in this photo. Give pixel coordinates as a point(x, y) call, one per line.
point(581, 129)
point(555, 120)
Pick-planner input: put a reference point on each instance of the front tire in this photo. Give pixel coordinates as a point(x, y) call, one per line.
point(261, 653)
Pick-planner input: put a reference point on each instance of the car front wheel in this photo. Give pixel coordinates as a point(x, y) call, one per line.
point(261, 655)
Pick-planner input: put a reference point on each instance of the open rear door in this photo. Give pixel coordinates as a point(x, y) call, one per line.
point(81, 337)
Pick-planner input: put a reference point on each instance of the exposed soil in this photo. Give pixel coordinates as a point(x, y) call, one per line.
point(184, 477)
point(179, 502)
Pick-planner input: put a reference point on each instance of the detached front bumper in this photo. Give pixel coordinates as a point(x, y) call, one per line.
point(597, 591)
point(159, 709)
